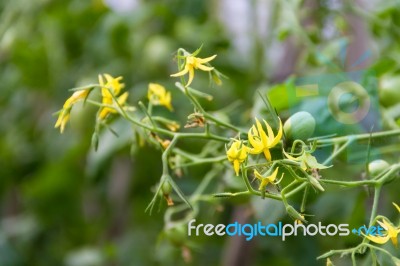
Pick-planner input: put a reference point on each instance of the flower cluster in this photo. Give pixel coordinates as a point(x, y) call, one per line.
point(110, 89)
point(260, 141)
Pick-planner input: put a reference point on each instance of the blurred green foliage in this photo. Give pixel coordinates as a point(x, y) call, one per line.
point(64, 204)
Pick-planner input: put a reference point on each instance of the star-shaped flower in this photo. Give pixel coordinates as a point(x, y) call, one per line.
point(158, 95)
point(64, 115)
point(236, 154)
point(110, 89)
point(391, 233)
point(262, 141)
point(265, 180)
point(191, 63)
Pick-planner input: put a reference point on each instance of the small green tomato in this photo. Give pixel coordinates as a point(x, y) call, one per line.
point(300, 125)
point(166, 188)
point(389, 91)
point(378, 166)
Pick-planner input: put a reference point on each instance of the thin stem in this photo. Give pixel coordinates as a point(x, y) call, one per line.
point(338, 151)
point(349, 183)
point(304, 200)
point(365, 136)
point(375, 204)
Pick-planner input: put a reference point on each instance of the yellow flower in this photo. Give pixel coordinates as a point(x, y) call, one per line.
point(106, 110)
point(112, 87)
point(391, 233)
point(75, 97)
point(307, 161)
point(62, 119)
point(192, 63)
point(262, 141)
point(64, 115)
point(266, 180)
point(237, 153)
point(158, 95)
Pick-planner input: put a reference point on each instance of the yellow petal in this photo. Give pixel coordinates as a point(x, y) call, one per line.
point(167, 101)
point(236, 166)
point(267, 154)
point(122, 99)
point(104, 112)
point(272, 177)
point(397, 206)
point(191, 76)
point(182, 72)
point(394, 240)
point(378, 239)
point(279, 135)
point(270, 133)
point(258, 175)
point(62, 120)
point(204, 68)
point(261, 133)
point(263, 184)
point(108, 77)
point(206, 60)
point(257, 145)
point(101, 80)
point(385, 225)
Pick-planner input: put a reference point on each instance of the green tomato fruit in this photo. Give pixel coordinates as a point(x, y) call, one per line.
point(301, 126)
point(378, 166)
point(389, 91)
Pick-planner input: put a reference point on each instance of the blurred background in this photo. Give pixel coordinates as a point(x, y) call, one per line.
point(64, 204)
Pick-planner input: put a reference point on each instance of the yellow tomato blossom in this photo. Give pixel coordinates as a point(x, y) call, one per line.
point(158, 95)
point(262, 141)
point(64, 115)
point(192, 63)
point(266, 180)
point(391, 233)
point(112, 87)
point(106, 110)
point(62, 120)
point(236, 154)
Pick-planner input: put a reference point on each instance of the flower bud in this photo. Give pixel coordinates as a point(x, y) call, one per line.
point(315, 183)
point(95, 141)
point(301, 126)
point(295, 214)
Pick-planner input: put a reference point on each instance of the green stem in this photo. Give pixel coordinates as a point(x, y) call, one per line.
point(365, 136)
point(338, 151)
point(304, 200)
point(375, 204)
point(349, 183)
